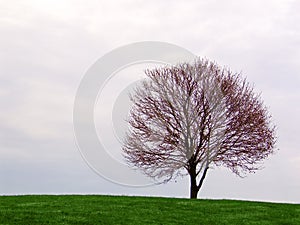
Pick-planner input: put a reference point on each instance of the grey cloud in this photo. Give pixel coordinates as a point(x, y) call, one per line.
point(47, 46)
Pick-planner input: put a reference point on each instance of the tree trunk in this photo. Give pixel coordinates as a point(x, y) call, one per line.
point(194, 188)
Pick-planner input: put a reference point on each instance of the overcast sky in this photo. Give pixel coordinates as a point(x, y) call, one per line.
point(47, 46)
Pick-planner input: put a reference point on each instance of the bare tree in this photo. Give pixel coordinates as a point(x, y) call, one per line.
point(188, 117)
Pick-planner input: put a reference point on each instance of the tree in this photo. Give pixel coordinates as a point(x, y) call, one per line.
point(190, 117)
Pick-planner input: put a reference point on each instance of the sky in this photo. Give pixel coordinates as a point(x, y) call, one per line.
point(46, 47)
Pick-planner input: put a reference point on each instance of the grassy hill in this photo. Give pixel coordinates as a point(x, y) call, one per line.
point(96, 209)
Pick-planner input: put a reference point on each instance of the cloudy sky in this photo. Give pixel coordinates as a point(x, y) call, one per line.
point(47, 46)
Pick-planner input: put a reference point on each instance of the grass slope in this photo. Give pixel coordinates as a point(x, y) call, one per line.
point(95, 209)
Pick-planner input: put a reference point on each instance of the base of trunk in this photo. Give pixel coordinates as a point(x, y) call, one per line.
point(194, 193)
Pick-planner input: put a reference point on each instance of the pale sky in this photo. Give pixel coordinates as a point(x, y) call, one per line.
point(47, 46)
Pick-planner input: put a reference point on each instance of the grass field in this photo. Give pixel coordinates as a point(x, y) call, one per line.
point(96, 209)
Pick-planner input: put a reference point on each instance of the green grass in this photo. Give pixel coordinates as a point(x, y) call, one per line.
point(96, 209)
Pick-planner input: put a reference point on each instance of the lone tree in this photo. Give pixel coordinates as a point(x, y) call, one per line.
point(189, 117)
